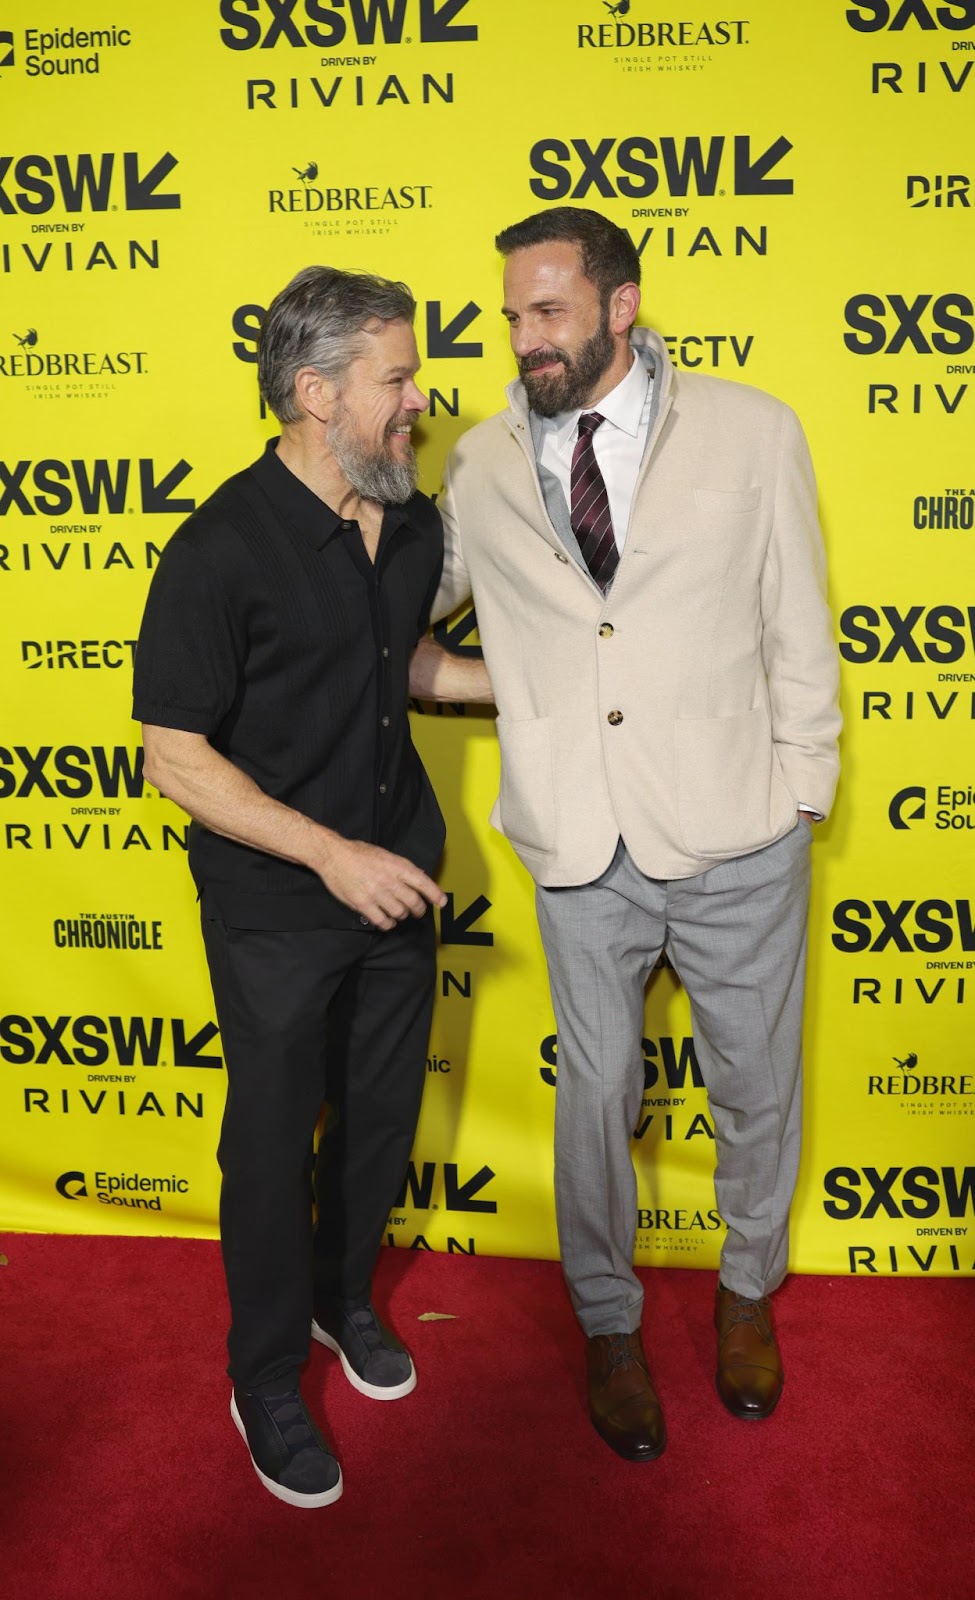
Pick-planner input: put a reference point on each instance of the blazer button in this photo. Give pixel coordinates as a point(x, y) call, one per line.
point(559, 556)
point(615, 718)
point(606, 630)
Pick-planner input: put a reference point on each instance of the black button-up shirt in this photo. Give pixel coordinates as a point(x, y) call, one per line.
point(268, 629)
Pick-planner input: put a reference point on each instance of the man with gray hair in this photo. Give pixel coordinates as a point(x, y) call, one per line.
point(277, 652)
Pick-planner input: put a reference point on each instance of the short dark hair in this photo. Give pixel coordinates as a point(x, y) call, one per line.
point(318, 320)
point(609, 256)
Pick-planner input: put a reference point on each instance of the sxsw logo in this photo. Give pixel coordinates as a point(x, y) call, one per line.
point(569, 170)
point(865, 1192)
point(71, 182)
point(54, 488)
point(931, 926)
point(880, 14)
point(457, 1196)
point(77, 771)
point(326, 24)
point(907, 806)
point(444, 330)
point(924, 325)
point(939, 190)
point(91, 1041)
point(942, 633)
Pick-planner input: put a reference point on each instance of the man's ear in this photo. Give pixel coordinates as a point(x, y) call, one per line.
point(315, 394)
point(624, 303)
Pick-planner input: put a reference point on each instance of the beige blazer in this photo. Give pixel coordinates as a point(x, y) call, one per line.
point(691, 708)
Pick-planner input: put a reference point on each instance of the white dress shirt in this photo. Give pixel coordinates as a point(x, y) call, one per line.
point(618, 443)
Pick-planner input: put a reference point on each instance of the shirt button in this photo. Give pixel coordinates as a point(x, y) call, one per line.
point(615, 718)
point(365, 922)
point(560, 557)
point(345, 526)
point(385, 652)
point(384, 721)
point(382, 788)
point(606, 630)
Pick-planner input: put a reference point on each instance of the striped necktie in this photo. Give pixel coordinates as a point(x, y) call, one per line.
point(590, 517)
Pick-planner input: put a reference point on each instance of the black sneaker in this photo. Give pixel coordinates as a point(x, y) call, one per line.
point(372, 1358)
point(288, 1453)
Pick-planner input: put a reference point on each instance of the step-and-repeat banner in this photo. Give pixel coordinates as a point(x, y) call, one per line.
point(798, 182)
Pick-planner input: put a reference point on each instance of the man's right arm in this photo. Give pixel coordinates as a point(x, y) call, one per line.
point(455, 585)
point(382, 887)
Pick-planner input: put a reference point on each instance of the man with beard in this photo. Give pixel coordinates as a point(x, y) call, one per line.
point(648, 575)
point(272, 677)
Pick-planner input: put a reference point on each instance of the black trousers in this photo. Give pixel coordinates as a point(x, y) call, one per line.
point(307, 1017)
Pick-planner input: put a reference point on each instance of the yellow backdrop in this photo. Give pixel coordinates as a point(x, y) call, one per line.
point(798, 184)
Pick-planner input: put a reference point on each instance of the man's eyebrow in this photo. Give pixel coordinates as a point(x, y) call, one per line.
point(402, 371)
point(537, 305)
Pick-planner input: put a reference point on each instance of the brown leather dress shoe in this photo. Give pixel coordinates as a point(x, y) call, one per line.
point(622, 1404)
point(749, 1373)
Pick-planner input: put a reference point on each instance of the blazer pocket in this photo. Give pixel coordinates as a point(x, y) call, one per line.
point(731, 797)
point(526, 803)
point(720, 504)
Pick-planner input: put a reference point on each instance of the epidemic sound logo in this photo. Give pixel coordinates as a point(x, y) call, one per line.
point(955, 807)
point(58, 182)
point(328, 24)
point(942, 189)
point(689, 166)
point(49, 55)
point(949, 334)
point(71, 1185)
point(902, 800)
point(347, 198)
point(941, 633)
point(122, 1188)
point(880, 14)
point(25, 363)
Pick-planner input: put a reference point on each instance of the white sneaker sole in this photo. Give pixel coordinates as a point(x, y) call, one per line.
point(373, 1390)
point(291, 1497)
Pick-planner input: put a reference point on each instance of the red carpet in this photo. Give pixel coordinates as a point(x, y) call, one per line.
point(123, 1476)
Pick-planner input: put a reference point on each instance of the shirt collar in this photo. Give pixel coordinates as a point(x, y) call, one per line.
point(305, 512)
point(623, 407)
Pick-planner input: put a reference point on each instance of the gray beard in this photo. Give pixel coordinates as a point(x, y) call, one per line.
point(373, 475)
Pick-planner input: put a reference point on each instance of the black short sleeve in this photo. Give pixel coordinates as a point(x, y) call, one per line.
point(187, 666)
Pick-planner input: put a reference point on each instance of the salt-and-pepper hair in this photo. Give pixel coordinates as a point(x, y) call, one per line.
point(320, 319)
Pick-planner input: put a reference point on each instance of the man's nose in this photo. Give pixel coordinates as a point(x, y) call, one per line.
point(525, 340)
point(416, 400)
